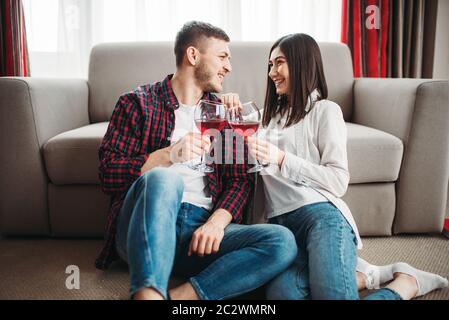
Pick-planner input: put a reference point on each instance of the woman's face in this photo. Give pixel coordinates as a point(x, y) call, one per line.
point(279, 71)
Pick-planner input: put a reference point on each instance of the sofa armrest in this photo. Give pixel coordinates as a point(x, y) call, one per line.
point(31, 112)
point(417, 112)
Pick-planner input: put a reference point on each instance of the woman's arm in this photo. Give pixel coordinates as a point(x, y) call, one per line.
point(331, 173)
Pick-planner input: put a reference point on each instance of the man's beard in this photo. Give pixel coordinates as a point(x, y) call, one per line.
point(204, 78)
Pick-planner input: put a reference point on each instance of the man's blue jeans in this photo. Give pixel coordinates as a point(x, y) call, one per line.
point(325, 267)
point(154, 232)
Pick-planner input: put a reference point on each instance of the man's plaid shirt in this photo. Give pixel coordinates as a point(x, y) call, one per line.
point(142, 122)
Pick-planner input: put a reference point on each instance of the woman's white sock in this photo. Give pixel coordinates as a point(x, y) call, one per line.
point(374, 275)
point(426, 281)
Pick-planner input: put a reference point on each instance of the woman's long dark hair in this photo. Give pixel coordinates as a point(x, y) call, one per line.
point(305, 68)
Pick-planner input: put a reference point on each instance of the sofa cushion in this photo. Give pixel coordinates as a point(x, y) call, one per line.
point(373, 155)
point(72, 157)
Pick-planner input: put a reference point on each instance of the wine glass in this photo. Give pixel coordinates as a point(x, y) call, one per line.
point(246, 121)
point(209, 115)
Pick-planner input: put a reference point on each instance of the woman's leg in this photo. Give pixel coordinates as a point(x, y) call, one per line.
point(331, 247)
point(293, 283)
point(408, 282)
point(323, 268)
point(325, 265)
point(370, 276)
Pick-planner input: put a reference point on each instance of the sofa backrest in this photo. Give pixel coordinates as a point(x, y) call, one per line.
point(116, 68)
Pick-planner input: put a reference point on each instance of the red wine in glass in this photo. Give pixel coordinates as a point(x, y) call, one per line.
point(209, 115)
point(204, 125)
point(246, 128)
point(245, 121)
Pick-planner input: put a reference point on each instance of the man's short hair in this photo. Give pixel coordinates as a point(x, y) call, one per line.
point(192, 33)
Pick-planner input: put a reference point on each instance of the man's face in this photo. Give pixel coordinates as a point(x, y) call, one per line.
point(214, 65)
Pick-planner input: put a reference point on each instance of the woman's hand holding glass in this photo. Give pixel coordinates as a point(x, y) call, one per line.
point(265, 152)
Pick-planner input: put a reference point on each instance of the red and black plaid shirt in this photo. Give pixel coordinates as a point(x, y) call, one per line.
point(142, 122)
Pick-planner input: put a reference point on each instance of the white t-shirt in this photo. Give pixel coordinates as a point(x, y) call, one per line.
point(196, 189)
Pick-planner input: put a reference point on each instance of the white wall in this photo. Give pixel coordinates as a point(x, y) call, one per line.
point(441, 60)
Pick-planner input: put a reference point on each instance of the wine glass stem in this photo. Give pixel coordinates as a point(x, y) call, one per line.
point(203, 155)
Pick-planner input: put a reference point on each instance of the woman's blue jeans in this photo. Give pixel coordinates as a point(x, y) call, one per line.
point(154, 230)
point(325, 267)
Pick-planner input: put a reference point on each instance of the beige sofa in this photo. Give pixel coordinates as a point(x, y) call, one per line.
point(398, 140)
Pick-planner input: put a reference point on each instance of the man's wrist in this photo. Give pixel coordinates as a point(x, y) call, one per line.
point(220, 218)
point(158, 158)
point(165, 156)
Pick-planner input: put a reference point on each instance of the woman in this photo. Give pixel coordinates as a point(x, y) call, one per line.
point(304, 138)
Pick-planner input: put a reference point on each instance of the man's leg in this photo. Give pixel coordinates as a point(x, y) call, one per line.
point(249, 256)
point(146, 229)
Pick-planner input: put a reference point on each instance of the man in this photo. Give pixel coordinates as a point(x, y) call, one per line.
point(167, 217)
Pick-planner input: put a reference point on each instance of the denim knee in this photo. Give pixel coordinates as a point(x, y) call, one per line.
point(162, 181)
point(159, 189)
point(283, 245)
point(330, 217)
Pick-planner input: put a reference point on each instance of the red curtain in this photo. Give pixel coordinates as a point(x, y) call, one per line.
point(14, 60)
point(365, 30)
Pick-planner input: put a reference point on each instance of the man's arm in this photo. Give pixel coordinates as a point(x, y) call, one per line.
point(121, 157)
point(207, 238)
